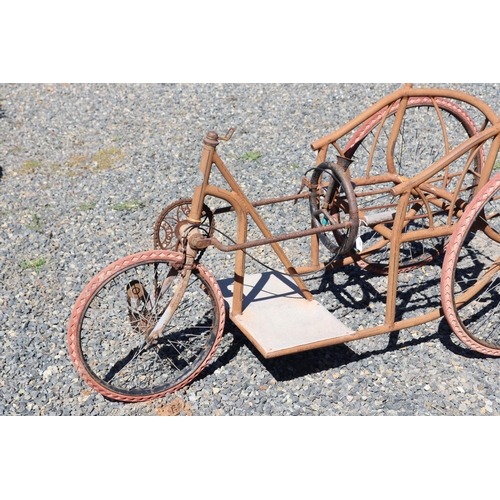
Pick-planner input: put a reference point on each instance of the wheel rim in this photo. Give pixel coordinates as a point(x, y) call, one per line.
point(471, 279)
point(342, 207)
point(108, 344)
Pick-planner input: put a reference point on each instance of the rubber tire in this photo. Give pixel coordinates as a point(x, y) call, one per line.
point(457, 240)
point(340, 245)
point(99, 282)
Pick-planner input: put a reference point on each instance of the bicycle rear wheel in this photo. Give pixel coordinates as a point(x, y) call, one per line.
point(470, 282)
point(109, 326)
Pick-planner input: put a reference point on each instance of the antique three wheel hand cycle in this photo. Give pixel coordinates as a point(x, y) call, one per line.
point(406, 181)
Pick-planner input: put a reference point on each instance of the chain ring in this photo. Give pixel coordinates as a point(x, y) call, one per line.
point(164, 236)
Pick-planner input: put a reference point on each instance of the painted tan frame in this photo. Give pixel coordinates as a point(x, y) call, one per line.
point(243, 208)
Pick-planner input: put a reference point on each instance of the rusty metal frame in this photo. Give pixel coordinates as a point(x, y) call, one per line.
point(403, 189)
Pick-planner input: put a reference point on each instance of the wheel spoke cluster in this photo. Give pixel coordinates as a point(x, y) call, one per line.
point(108, 334)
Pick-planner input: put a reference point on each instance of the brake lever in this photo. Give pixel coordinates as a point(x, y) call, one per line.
point(228, 135)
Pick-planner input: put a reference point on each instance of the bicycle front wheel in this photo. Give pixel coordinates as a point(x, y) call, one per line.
point(108, 335)
point(470, 282)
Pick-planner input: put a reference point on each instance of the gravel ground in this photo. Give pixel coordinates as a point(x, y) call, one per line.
point(86, 170)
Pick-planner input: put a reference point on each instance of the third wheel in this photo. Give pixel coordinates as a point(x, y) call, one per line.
point(470, 282)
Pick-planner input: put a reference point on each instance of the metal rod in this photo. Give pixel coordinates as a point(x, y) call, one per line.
point(201, 242)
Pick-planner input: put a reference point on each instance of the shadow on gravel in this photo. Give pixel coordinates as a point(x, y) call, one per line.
point(298, 365)
point(412, 299)
point(327, 358)
point(294, 366)
point(309, 362)
point(305, 363)
point(446, 336)
point(337, 356)
point(236, 344)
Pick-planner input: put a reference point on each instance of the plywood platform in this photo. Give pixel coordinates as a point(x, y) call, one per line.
point(278, 320)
